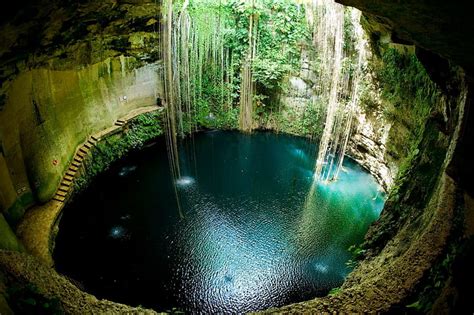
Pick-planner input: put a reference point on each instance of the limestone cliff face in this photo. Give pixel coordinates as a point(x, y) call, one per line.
point(409, 251)
point(67, 72)
point(421, 217)
point(370, 132)
point(301, 86)
point(291, 115)
point(48, 113)
point(368, 147)
point(423, 163)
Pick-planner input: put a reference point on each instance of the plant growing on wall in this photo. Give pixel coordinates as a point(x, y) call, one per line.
point(230, 54)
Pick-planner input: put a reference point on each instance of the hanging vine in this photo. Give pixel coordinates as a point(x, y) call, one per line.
point(232, 57)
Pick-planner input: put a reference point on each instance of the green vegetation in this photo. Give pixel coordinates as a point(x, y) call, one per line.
point(438, 275)
point(140, 130)
point(210, 63)
point(281, 29)
point(282, 33)
point(334, 291)
point(357, 252)
point(441, 271)
point(409, 99)
point(308, 122)
point(16, 211)
point(228, 65)
point(8, 239)
point(409, 96)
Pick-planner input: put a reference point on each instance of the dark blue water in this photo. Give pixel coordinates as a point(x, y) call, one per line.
point(254, 233)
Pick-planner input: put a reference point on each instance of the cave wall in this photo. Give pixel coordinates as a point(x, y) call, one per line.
point(48, 113)
point(379, 142)
point(407, 255)
point(291, 113)
point(441, 27)
point(387, 122)
point(417, 255)
point(67, 72)
point(367, 145)
point(56, 74)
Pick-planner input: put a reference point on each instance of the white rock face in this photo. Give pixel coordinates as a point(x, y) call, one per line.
point(298, 88)
point(370, 130)
point(367, 147)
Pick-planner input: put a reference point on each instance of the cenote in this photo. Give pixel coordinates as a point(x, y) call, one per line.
point(249, 235)
point(236, 156)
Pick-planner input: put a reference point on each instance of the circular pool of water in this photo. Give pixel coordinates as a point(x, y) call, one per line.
point(253, 233)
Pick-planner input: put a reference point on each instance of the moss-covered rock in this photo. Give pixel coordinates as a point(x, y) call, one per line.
point(48, 113)
point(39, 289)
point(64, 36)
point(4, 307)
point(139, 131)
point(8, 239)
point(409, 252)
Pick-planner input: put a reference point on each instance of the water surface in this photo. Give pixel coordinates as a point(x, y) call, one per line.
point(254, 235)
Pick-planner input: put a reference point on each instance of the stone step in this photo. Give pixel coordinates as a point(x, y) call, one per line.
point(63, 188)
point(71, 173)
point(59, 198)
point(66, 183)
point(81, 154)
point(73, 168)
point(61, 193)
point(77, 159)
point(94, 138)
point(83, 150)
point(76, 164)
point(69, 177)
point(88, 144)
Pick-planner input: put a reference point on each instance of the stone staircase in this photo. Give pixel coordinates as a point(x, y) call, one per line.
point(120, 122)
point(67, 182)
point(65, 187)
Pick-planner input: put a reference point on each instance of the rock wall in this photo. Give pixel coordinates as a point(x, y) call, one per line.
point(8, 239)
point(415, 231)
point(420, 250)
point(370, 132)
point(67, 72)
point(441, 27)
point(290, 114)
point(48, 113)
point(367, 146)
point(21, 269)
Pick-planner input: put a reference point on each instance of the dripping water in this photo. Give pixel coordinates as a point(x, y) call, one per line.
point(247, 85)
point(193, 46)
point(336, 81)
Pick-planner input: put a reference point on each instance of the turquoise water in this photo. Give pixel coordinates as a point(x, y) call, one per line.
point(256, 232)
